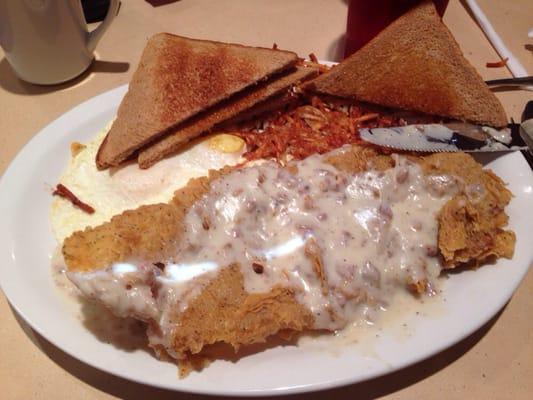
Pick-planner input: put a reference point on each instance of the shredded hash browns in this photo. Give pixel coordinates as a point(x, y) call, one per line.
point(315, 127)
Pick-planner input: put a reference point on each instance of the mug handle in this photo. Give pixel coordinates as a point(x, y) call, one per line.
point(95, 36)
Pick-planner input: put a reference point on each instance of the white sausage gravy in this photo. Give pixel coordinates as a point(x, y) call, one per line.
point(345, 243)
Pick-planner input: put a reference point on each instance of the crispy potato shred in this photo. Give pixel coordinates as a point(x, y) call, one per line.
point(498, 64)
point(317, 127)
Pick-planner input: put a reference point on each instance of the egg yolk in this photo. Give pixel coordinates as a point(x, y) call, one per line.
point(226, 143)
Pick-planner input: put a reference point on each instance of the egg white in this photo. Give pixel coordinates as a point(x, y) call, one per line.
point(112, 191)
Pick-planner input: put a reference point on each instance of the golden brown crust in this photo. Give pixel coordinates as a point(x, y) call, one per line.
point(178, 77)
point(415, 64)
point(471, 224)
point(149, 228)
point(225, 312)
point(220, 113)
point(148, 232)
point(361, 158)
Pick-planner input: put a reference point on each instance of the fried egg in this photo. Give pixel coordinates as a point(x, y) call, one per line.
point(112, 191)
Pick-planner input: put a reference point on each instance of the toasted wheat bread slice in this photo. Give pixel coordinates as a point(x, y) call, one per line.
point(232, 107)
point(177, 78)
point(415, 64)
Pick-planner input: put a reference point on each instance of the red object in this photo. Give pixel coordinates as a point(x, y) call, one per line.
point(366, 18)
point(62, 191)
point(498, 64)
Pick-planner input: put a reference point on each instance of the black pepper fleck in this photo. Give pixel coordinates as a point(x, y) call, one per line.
point(258, 268)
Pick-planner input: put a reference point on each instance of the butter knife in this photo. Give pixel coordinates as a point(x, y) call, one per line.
point(446, 137)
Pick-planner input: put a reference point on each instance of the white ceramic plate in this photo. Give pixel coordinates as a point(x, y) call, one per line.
point(26, 245)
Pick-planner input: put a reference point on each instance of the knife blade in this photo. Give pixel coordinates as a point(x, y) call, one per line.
point(446, 137)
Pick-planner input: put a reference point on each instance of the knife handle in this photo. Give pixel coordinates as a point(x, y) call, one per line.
point(528, 111)
point(524, 80)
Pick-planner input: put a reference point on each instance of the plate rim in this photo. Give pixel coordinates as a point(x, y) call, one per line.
point(48, 130)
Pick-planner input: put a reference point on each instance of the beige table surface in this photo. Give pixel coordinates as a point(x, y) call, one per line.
point(496, 362)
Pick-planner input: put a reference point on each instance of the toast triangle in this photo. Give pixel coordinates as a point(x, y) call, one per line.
point(415, 64)
point(178, 77)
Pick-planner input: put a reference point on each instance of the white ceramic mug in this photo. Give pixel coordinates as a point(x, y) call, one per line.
point(46, 41)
